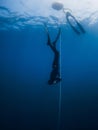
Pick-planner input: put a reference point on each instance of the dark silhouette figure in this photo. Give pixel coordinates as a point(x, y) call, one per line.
point(55, 74)
point(79, 29)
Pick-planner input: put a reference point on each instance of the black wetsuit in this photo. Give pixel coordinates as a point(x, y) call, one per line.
point(79, 29)
point(55, 74)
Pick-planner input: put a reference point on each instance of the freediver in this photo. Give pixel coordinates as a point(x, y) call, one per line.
point(55, 73)
point(80, 28)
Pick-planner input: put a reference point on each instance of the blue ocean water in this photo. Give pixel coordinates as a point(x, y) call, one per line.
point(27, 101)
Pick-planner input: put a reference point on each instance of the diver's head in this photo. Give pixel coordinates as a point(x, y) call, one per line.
point(57, 80)
point(50, 82)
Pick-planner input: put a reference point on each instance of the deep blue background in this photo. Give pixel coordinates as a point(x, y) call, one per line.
point(27, 102)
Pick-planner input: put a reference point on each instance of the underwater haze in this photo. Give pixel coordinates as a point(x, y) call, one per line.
point(27, 101)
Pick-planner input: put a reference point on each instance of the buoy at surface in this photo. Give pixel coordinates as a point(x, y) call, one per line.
point(57, 5)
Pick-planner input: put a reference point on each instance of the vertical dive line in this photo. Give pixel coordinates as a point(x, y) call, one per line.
point(60, 96)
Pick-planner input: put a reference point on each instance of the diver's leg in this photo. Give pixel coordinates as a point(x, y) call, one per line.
point(53, 48)
point(57, 37)
point(48, 41)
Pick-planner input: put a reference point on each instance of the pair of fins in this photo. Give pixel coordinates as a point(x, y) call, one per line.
point(78, 28)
